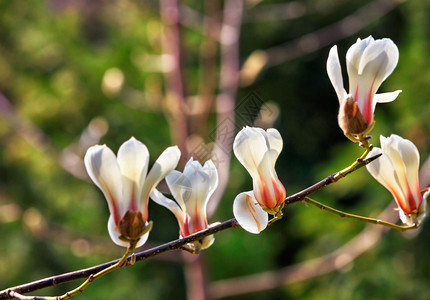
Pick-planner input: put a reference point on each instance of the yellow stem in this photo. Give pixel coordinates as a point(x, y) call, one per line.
point(359, 218)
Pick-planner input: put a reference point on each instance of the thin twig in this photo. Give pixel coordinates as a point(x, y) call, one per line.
point(326, 181)
point(343, 214)
point(85, 273)
point(306, 270)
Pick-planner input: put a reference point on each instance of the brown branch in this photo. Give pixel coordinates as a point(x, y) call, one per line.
point(173, 245)
point(306, 270)
point(84, 273)
point(326, 181)
point(336, 260)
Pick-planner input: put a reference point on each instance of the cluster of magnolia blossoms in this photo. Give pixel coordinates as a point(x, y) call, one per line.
point(127, 187)
point(369, 62)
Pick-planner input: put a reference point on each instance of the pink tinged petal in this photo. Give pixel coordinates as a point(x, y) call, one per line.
point(196, 197)
point(405, 159)
point(104, 171)
point(249, 213)
point(133, 159)
point(386, 97)
point(268, 190)
point(249, 146)
point(411, 159)
point(114, 235)
point(377, 63)
point(334, 72)
point(383, 171)
point(166, 162)
point(353, 58)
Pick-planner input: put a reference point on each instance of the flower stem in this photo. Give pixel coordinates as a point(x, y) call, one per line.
point(356, 217)
point(358, 163)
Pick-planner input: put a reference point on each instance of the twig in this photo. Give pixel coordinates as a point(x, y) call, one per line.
point(85, 273)
point(306, 270)
point(359, 218)
point(328, 180)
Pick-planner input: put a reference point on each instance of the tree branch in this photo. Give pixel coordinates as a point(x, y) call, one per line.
point(173, 245)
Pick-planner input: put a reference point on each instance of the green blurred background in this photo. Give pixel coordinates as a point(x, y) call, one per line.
point(75, 73)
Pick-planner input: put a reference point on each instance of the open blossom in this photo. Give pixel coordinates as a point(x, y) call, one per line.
point(397, 170)
point(368, 62)
point(257, 150)
point(126, 186)
point(191, 190)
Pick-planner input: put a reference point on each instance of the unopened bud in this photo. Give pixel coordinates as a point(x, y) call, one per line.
point(132, 226)
point(350, 119)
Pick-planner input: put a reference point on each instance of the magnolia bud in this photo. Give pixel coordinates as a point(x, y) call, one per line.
point(350, 119)
point(132, 226)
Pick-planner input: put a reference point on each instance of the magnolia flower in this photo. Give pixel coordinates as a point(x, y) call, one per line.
point(126, 186)
point(257, 150)
point(191, 190)
point(397, 170)
point(368, 62)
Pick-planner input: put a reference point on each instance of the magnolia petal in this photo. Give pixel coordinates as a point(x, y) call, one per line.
point(404, 218)
point(114, 235)
point(386, 97)
point(162, 200)
point(353, 59)
point(334, 72)
point(104, 171)
point(133, 159)
point(175, 181)
point(249, 213)
point(275, 143)
point(378, 62)
point(383, 171)
point(196, 198)
point(210, 169)
point(166, 162)
point(249, 146)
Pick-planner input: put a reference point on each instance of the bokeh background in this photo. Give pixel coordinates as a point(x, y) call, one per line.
point(77, 73)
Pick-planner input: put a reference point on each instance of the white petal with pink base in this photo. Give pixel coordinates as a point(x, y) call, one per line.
point(124, 180)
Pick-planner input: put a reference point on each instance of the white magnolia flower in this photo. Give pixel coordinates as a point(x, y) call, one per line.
point(397, 170)
point(191, 190)
point(368, 62)
point(258, 150)
point(126, 185)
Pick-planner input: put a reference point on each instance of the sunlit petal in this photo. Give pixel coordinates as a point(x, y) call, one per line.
point(249, 213)
point(133, 159)
point(167, 161)
point(103, 169)
point(334, 72)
